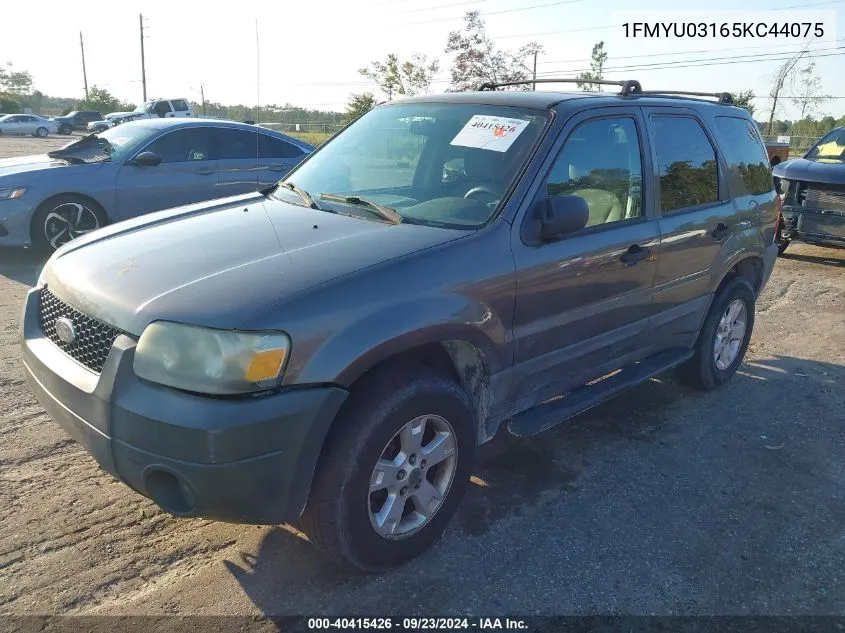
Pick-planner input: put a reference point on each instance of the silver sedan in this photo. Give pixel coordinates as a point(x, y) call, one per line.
point(27, 124)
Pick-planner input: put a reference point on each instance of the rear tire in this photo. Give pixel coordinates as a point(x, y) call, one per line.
point(347, 516)
point(709, 368)
point(65, 129)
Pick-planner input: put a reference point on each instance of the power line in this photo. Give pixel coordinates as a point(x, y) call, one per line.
point(704, 50)
point(489, 13)
point(690, 63)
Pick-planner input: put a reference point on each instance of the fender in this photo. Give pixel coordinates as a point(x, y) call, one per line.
point(350, 351)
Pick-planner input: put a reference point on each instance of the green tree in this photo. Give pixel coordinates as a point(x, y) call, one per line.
point(808, 96)
point(597, 61)
point(477, 60)
point(18, 83)
point(9, 103)
point(358, 105)
point(745, 99)
point(410, 77)
point(103, 101)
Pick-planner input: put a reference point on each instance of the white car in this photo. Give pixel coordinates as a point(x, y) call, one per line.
point(115, 118)
point(25, 124)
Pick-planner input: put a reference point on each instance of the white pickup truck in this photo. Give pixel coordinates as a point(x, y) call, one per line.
point(163, 108)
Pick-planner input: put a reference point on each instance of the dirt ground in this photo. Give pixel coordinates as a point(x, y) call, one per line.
point(662, 501)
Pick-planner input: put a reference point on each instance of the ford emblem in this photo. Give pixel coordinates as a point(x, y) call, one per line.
point(65, 330)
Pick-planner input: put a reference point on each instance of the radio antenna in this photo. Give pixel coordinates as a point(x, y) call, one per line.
point(257, 105)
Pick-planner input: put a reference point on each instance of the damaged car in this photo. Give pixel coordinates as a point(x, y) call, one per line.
point(49, 199)
point(812, 191)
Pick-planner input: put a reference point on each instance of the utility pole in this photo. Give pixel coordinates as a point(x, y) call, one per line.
point(534, 84)
point(84, 74)
point(143, 68)
point(202, 94)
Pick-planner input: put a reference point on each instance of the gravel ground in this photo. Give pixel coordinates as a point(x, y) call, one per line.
point(662, 501)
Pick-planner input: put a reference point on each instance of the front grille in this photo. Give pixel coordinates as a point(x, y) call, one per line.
point(825, 199)
point(93, 338)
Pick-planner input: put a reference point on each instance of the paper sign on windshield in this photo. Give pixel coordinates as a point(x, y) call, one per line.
point(495, 133)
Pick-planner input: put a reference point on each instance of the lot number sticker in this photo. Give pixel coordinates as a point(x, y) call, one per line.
point(490, 132)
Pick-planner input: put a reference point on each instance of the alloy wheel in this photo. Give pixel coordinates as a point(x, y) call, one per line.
point(412, 476)
point(67, 222)
point(730, 333)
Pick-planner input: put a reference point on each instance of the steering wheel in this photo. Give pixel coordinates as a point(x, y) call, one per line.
point(480, 189)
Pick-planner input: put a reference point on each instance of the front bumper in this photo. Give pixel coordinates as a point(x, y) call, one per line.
point(769, 258)
point(814, 225)
point(239, 460)
point(16, 219)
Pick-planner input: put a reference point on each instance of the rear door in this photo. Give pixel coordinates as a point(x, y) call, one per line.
point(180, 108)
point(187, 173)
point(239, 170)
point(276, 157)
point(699, 223)
point(584, 301)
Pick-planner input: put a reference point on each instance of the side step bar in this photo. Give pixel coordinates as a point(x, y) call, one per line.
point(553, 412)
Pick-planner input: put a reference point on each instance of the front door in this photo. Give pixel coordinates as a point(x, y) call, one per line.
point(584, 300)
point(187, 173)
point(699, 220)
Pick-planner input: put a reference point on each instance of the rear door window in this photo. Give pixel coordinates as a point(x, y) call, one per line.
point(745, 154)
point(686, 162)
point(236, 144)
point(269, 147)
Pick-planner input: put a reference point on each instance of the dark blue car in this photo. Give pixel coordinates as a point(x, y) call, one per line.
point(136, 168)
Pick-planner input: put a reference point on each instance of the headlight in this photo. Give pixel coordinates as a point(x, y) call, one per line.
point(211, 361)
point(12, 194)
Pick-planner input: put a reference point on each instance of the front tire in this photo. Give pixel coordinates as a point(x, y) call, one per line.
point(41, 132)
point(64, 218)
point(782, 242)
point(393, 471)
point(724, 337)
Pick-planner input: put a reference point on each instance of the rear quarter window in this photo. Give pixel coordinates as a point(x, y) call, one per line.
point(745, 154)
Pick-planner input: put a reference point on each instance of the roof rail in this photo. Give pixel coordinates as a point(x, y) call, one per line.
point(722, 97)
point(628, 86)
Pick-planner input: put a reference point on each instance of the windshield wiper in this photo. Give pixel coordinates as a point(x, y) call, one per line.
point(386, 213)
point(306, 197)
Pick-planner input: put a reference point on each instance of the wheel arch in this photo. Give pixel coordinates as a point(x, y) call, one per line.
point(750, 267)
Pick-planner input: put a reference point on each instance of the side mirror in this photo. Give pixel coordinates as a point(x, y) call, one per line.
point(561, 215)
point(146, 159)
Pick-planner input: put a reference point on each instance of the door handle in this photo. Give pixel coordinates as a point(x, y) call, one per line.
point(204, 171)
point(720, 231)
point(634, 254)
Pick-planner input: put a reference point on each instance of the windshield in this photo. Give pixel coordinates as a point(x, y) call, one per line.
point(114, 144)
point(444, 164)
point(145, 107)
point(831, 146)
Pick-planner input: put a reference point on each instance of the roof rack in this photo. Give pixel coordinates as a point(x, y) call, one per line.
point(722, 97)
point(628, 86)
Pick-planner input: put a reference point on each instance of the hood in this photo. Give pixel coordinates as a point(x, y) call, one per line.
point(23, 164)
point(219, 262)
point(825, 171)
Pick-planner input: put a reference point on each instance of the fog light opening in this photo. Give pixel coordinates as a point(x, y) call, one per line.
point(170, 492)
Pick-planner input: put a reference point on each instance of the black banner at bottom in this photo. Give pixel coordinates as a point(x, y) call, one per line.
point(532, 624)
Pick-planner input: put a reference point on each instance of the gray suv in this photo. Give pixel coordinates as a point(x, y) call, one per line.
point(334, 348)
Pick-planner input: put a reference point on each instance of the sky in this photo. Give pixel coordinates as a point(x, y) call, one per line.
point(308, 53)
